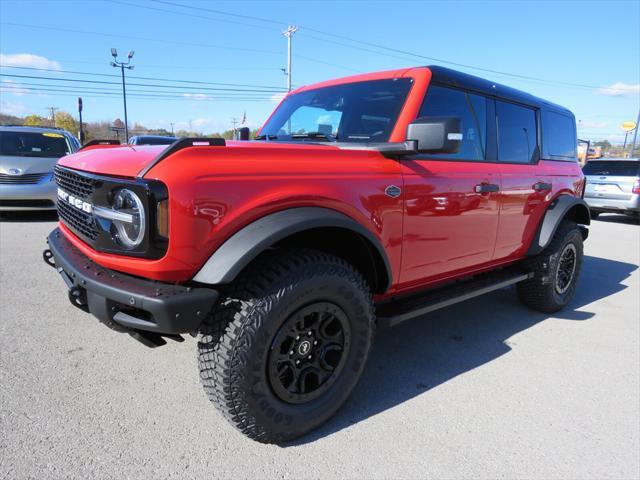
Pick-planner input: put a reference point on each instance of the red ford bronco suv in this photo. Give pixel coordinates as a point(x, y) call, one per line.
point(363, 201)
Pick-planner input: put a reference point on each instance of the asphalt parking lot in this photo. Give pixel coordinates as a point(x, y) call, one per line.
point(484, 389)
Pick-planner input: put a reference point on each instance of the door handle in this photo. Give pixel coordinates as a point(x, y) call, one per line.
point(542, 186)
point(486, 188)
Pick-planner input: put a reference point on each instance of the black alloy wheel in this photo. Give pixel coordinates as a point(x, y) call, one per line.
point(308, 352)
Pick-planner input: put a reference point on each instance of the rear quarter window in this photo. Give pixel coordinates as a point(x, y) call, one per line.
point(558, 136)
point(613, 168)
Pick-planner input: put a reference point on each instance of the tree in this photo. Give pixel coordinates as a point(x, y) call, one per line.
point(118, 123)
point(65, 121)
point(35, 121)
point(605, 144)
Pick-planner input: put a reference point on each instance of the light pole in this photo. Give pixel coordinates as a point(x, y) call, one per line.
point(289, 33)
point(123, 65)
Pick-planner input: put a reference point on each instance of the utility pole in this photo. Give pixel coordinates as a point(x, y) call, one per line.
point(53, 115)
point(234, 122)
point(122, 66)
point(172, 124)
point(635, 135)
point(289, 34)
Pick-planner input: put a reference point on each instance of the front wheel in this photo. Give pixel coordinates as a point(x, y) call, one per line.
point(285, 348)
point(556, 270)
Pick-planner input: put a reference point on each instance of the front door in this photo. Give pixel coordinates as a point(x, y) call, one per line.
point(451, 200)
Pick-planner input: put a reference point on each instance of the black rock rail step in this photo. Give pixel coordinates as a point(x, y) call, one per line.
point(397, 311)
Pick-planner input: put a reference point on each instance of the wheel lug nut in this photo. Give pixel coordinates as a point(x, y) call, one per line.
point(290, 352)
point(315, 342)
point(298, 337)
point(309, 333)
point(297, 362)
point(310, 357)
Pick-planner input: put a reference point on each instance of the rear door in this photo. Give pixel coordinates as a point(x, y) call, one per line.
point(611, 179)
point(523, 198)
point(451, 200)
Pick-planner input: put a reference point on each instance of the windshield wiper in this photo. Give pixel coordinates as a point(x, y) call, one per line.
point(326, 136)
point(266, 137)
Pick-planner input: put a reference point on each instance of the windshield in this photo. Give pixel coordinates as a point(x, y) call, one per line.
point(352, 112)
point(612, 168)
point(33, 144)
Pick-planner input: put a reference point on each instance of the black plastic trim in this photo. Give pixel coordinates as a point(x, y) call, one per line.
point(554, 215)
point(130, 302)
point(242, 247)
point(100, 142)
point(396, 311)
point(150, 192)
point(180, 145)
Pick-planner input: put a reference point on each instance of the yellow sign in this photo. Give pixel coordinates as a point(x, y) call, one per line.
point(628, 126)
point(54, 135)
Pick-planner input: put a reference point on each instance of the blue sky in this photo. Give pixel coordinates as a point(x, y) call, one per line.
point(590, 43)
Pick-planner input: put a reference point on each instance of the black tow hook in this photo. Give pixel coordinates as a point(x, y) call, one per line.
point(47, 256)
point(78, 297)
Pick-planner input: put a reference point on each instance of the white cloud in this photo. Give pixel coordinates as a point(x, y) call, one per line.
point(13, 88)
point(196, 96)
point(12, 108)
point(200, 122)
point(277, 97)
point(28, 60)
point(620, 89)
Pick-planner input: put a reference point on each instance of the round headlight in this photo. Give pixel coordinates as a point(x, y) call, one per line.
point(129, 230)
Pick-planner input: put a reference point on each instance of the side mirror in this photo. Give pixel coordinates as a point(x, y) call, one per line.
point(242, 133)
point(436, 134)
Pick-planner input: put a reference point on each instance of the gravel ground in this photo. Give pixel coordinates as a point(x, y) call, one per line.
point(483, 389)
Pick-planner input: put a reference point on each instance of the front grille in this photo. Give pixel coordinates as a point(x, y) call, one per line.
point(26, 179)
point(80, 187)
point(78, 220)
point(27, 203)
point(77, 185)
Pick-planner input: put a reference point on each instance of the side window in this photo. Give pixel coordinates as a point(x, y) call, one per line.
point(517, 133)
point(558, 136)
point(472, 111)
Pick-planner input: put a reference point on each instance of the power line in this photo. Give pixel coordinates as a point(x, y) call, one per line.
point(198, 82)
point(161, 40)
point(102, 82)
point(384, 47)
point(132, 37)
point(18, 88)
point(83, 88)
point(72, 93)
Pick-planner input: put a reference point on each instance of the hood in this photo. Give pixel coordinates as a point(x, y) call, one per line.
point(130, 160)
point(120, 161)
point(22, 165)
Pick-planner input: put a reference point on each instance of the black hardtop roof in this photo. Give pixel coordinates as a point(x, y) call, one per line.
point(446, 76)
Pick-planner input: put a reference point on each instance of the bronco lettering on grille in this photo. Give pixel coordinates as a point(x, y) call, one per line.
point(74, 201)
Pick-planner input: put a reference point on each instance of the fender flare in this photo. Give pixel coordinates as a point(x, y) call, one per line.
point(246, 244)
point(559, 209)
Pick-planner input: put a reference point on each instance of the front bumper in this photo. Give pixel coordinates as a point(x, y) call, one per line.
point(37, 196)
point(601, 204)
point(146, 309)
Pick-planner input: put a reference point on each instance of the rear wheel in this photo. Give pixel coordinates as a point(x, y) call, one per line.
point(285, 348)
point(556, 270)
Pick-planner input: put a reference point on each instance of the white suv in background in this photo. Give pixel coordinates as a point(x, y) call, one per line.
point(613, 186)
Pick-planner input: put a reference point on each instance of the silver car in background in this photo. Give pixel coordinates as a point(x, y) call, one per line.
point(27, 158)
point(613, 186)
